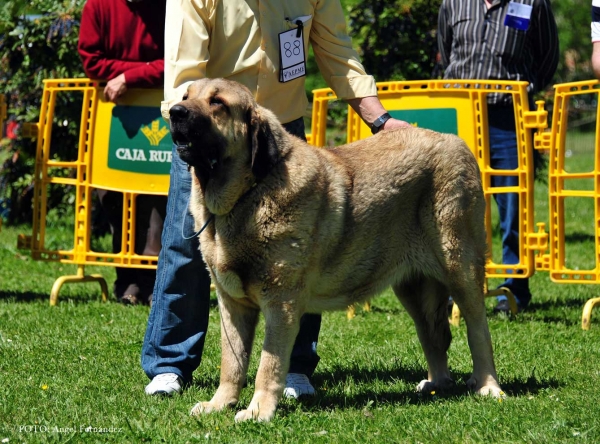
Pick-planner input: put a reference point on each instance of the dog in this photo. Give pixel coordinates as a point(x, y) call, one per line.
point(292, 229)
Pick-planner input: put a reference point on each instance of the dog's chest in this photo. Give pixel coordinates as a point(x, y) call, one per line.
point(231, 282)
point(230, 269)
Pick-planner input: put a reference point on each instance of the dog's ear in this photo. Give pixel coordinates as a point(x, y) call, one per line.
point(263, 146)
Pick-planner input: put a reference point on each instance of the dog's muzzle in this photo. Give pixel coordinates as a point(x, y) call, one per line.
point(178, 113)
point(194, 140)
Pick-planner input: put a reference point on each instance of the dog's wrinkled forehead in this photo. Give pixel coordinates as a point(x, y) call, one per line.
point(230, 92)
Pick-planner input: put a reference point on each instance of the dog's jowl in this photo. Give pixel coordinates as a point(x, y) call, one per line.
point(295, 229)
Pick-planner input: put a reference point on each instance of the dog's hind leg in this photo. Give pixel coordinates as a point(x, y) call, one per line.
point(281, 327)
point(238, 323)
point(467, 293)
point(426, 300)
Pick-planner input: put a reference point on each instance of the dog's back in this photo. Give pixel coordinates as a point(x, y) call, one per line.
point(400, 202)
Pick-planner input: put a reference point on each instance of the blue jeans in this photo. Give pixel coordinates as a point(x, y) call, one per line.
point(178, 320)
point(503, 155)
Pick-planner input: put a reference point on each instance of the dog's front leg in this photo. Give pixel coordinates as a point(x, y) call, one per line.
point(282, 322)
point(238, 323)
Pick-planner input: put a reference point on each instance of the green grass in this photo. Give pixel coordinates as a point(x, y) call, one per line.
point(77, 365)
point(66, 368)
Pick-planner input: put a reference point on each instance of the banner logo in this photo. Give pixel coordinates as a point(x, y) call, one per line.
point(139, 141)
point(154, 133)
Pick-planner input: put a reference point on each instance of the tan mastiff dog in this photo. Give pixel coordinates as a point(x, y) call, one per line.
point(291, 229)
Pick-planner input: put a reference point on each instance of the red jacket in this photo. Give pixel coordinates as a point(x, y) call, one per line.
point(118, 37)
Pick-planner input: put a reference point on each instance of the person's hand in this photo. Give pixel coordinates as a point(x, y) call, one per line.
point(596, 59)
point(115, 88)
point(395, 123)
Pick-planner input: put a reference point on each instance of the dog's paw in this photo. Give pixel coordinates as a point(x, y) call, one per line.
point(256, 415)
point(203, 408)
point(491, 389)
point(426, 386)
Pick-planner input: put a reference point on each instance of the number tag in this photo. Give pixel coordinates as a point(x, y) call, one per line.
point(518, 16)
point(291, 54)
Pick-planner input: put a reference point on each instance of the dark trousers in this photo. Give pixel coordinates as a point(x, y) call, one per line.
point(503, 155)
point(150, 214)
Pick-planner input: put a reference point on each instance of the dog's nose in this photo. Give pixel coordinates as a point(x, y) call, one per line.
point(178, 112)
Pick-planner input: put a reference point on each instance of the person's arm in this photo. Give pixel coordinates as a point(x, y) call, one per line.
point(146, 76)
point(596, 38)
point(120, 74)
point(545, 44)
point(596, 59)
point(93, 56)
point(188, 25)
point(370, 108)
point(444, 36)
point(115, 88)
point(340, 66)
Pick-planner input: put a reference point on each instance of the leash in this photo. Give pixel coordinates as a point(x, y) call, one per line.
point(185, 215)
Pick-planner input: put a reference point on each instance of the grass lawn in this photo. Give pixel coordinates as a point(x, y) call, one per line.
point(71, 373)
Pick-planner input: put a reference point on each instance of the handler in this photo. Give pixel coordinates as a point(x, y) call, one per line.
point(263, 45)
point(122, 41)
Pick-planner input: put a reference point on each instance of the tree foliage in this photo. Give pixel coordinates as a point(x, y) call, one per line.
point(38, 40)
point(397, 38)
point(574, 36)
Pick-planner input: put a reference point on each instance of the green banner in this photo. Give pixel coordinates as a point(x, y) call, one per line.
point(443, 120)
point(140, 141)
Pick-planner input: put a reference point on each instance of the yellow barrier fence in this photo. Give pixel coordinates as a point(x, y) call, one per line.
point(127, 148)
point(575, 185)
point(124, 147)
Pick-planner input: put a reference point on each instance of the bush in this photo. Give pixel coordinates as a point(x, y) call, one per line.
point(38, 40)
point(397, 38)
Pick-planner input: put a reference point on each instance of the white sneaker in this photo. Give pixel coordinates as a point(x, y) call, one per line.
point(164, 384)
point(296, 385)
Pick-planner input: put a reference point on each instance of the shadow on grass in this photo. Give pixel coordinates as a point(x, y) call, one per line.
point(553, 312)
point(550, 305)
point(531, 385)
point(363, 376)
point(387, 310)
point(363, 394)
point(579, 237)
point(512, 388)
point(14, 296)
point(28, 296)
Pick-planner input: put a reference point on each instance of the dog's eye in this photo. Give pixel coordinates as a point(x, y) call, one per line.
point(216, 101)
point(185, 96)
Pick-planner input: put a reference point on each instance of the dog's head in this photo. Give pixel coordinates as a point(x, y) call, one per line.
point(217, 124)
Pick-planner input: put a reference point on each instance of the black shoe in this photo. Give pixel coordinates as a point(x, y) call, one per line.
point(504, 307)
point(129, 299)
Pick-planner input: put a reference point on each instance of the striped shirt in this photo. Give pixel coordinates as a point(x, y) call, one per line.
point(596, 21)
point(475, 43)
